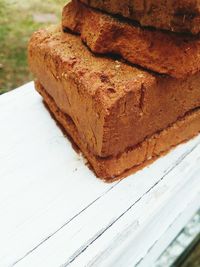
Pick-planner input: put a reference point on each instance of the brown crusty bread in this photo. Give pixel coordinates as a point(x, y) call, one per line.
point(173, 15)
point(113, 105)
point(162, 52)
point(140, 155)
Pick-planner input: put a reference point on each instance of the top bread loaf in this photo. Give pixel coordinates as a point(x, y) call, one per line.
point(173, 15)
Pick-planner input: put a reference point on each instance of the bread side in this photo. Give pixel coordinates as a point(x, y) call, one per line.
point(139, 156)
point(162, 52)
point(177, 16)
point(113, 105)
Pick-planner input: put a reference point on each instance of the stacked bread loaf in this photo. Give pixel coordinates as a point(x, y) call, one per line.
point(122, 78)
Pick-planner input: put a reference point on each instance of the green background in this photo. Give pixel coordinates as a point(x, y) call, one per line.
point(18, 19)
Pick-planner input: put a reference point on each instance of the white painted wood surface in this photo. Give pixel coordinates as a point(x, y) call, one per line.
point(151, 258)
point(55, 212)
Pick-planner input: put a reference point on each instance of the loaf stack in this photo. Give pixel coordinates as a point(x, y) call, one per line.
point(122, 77)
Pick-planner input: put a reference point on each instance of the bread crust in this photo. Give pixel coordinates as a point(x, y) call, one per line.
point(176, 16)
point(113, 105)
point(162, 52)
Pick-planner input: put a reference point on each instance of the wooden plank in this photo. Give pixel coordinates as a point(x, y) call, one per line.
point(129, 239)
point(152, 258)
point(44, 183)
point(125, 244)
point(183, 243)
point(90, 238)
point(45, 187)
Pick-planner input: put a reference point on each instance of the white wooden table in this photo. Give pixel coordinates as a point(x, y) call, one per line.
point(55, 212)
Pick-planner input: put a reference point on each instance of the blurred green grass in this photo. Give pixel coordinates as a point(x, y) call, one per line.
point(18, 20)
